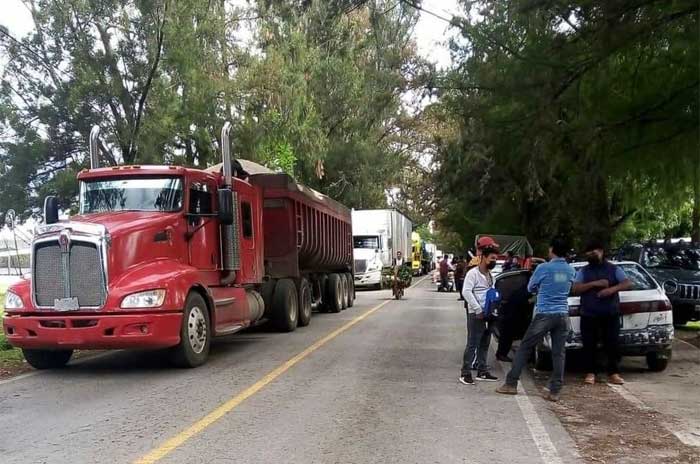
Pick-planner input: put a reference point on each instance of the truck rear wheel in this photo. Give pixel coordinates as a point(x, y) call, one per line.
point(304, 303)
point(195, 334)
point(285, 306)
point(351, 290)
point(334, 294)
point(47, 359)
point(344, 291)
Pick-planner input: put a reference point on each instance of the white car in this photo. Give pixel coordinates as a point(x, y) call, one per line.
point(646, 316)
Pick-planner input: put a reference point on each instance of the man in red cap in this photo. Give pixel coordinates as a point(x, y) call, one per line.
point(481, 243)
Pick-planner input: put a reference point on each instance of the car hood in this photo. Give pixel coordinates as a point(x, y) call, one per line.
point(678, 275)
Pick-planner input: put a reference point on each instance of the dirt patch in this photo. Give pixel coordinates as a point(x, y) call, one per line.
point(690, 334)
point(608, 429)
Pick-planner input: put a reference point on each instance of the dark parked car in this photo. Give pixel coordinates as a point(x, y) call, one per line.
point(676, 266)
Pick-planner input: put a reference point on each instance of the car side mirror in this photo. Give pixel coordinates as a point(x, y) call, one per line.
point(225, 206)
point(50, 210)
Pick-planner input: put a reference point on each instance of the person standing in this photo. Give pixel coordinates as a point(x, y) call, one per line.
point(599, 284)
point(477, 283)
point(445, 272)
point(459, 276)
point(552, 282)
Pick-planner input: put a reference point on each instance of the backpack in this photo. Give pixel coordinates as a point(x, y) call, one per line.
point(491, 304)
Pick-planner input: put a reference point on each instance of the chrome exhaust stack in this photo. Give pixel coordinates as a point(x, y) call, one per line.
point(230, 251)
point(95, 147)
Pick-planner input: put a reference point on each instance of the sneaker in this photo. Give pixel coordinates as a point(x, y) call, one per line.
point(506, 389)
point(504, 358)
point(549, 396)
point(467, 379)
point(590, 379)
point(486, 376)
point(615, 379)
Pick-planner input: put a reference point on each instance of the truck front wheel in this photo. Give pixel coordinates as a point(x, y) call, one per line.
point(305, 298)
point(195, 334)
point(47, 359)
point(334, 294)
point(285, 306)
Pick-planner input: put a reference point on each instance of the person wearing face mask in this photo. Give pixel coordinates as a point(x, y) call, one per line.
point(599, 284)
point(477, 283)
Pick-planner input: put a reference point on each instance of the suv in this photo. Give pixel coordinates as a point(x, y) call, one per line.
point(646, 321)
point(677, 268)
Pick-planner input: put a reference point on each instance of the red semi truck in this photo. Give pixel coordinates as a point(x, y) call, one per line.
point(170, 257)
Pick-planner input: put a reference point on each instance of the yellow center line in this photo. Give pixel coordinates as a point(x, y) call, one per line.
point(170, 445)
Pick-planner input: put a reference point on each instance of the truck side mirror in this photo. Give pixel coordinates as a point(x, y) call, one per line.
point(50, 210)
point(225, 206)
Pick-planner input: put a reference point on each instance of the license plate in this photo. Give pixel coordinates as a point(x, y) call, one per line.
point(66, 304)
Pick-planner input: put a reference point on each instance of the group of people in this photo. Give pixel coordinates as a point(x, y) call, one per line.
point(598, 283)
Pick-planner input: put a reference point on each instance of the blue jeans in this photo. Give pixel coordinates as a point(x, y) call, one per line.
point(478, 341)
point(557, 325)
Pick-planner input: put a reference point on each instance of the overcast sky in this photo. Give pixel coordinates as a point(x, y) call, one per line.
point(431, 32)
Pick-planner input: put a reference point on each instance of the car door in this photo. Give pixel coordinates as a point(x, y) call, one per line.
point(516, 302)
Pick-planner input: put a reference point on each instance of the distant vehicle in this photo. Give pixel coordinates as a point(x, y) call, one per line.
point(676, 266)
point(378, 234)
point(416, 254)
point(449, 287)
point(646, 317)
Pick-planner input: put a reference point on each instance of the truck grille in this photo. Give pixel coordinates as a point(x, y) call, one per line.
point(689, 292)
point(81, 277)
point(360, 266)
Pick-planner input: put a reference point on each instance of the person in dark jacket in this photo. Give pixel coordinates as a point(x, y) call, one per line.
point(460, 272)
point(599, 284)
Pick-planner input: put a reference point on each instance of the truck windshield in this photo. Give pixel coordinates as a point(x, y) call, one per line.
point(366, 241)
point(131, 194)
point(678, 258)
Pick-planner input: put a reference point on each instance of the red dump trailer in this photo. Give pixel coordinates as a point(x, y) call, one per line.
point(308, 237)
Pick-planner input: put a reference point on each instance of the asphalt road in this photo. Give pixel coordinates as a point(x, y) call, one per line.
point(383, 390)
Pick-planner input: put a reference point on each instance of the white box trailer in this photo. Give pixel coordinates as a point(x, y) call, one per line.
point(378, 234)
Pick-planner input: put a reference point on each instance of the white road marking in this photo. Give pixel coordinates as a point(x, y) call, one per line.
point(539, 433)
point(629, 396)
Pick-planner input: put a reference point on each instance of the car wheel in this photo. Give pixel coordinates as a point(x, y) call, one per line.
point(195, 334)
point(656, 362)
point(543, 360)
point(47, 359)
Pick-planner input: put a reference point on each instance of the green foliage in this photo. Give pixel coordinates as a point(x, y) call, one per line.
point(577, 119)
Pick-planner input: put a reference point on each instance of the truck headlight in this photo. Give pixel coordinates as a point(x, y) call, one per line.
point(147, 299)
point(13, 301)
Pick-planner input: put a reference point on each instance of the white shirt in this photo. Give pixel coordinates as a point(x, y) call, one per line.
point(474, 290)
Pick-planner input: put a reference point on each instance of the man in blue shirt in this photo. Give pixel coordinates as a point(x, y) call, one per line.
point(552, 282)
point(599, 284)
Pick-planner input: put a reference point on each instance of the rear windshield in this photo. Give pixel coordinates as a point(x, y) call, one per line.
point(639, 277)
point(366, 241)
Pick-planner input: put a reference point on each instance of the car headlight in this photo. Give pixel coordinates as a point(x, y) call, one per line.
point(147, 299)
point(670, 287)
point(13, 301)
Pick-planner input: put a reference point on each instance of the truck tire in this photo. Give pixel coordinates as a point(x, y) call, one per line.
point(195, 334)
point(47, 359)
point(543, 360)
point(285, 306)
point(267, 290)
point(351, 290)
point(344, 291)
point(305, 298)
point(334, 293)
point(656, 363)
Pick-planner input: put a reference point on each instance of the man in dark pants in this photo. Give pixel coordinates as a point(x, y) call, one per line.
point(460, 271)
point(476, 285)
point(552, 282)
point(599, 284)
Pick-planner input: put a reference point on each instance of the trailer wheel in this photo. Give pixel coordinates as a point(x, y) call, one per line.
point(195, 334)
point(47, 359)
point(304, 303)
point(335, 293)
point(351, 290)
point(285, 306)
point(344, 291)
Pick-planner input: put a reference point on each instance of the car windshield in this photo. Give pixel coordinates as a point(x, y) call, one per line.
point(640, 279)
point(131, 194)
point(366, 241)
point(677, 257)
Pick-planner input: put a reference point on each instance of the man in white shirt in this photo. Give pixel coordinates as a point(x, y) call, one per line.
point(476, 283)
